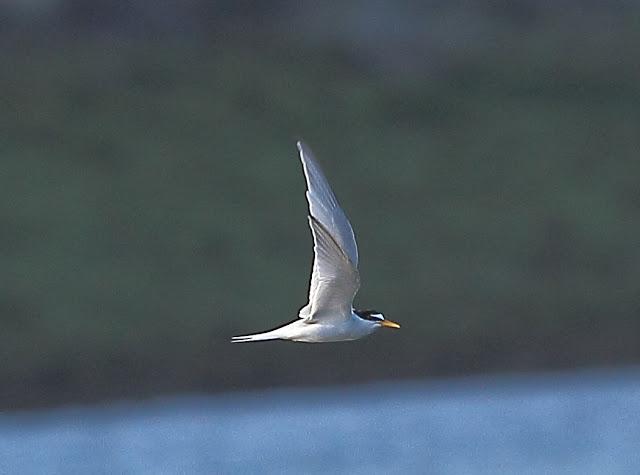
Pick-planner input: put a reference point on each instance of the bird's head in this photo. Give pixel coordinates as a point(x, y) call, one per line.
point(376, 318)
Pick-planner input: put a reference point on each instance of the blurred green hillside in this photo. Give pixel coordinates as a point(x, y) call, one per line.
point(152, 206)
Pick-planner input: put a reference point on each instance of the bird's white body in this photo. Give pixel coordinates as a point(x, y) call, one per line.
point(352, 328)
point(329, 316)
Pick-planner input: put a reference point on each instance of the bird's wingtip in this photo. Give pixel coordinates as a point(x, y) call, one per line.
point(302, 147)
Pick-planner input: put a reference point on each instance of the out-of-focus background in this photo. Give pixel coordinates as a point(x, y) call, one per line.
point(152, 203)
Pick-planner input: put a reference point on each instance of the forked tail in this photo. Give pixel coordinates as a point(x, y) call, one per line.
point(256, 337)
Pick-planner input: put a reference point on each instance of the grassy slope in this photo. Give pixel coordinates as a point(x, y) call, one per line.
point(151, 205)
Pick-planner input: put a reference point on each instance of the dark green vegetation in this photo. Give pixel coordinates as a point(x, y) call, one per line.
point(152, 206)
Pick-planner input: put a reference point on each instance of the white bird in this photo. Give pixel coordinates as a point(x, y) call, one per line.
point(329, 315)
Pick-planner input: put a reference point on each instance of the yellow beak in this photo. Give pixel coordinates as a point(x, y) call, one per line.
point(389, 324)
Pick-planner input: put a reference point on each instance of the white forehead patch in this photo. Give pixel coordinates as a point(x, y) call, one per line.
point(377, 316)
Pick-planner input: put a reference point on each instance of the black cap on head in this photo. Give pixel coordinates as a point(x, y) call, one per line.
point(370, 314)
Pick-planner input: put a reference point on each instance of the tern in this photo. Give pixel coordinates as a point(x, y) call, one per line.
point(329, 315)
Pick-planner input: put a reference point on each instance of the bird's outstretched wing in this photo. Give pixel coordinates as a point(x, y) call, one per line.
point(334, 278)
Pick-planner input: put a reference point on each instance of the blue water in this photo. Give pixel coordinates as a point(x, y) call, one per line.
point(570, 423)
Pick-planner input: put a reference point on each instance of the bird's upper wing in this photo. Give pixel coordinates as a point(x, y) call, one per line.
point(334, 279)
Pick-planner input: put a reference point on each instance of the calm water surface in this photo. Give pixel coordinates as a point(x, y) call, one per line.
point(571, 423)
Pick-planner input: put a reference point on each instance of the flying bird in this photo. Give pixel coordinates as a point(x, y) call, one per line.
point(329, 315)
